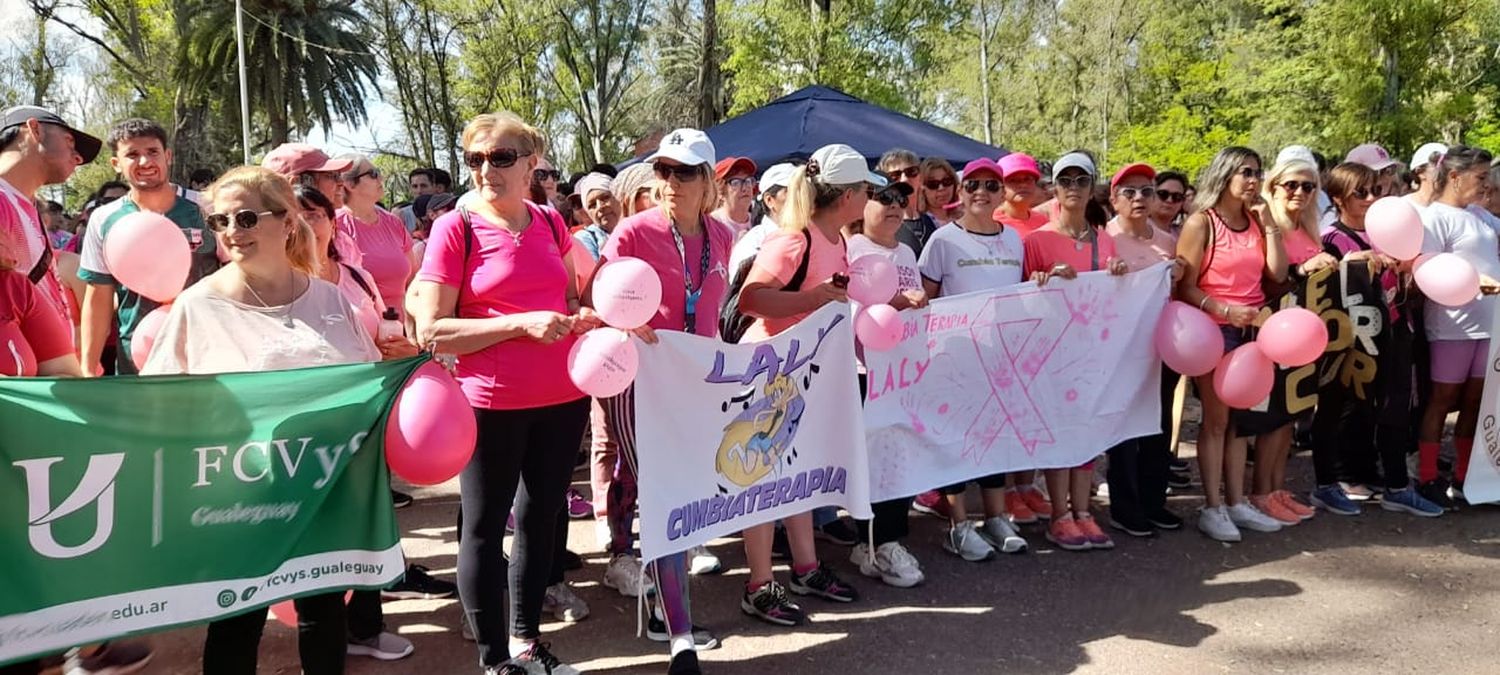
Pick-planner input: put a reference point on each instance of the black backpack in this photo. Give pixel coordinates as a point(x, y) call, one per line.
point(732, 322)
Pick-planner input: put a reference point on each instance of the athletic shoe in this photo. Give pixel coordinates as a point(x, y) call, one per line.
point(1436, 491)
point(933, 503)
point(1135, 527)
point(1272, 507)
point(781, 547)
point(510, 523)
point(1064, 532)
point(964, 541)
point(1090, 529)
point(400, 500)
point(571, 561)
point(1456, 493)
point(1180, 480)
point(383, 647)
point(1331, 498)
point(419, 585)
point(1036, 501)
point(1179, 465)
point(1163, 519)
point(1246, 516)
point(1001, 536)
point(506, 668)
point(684, 662)
point(624, 575)
point(836, 531)
point(656, 631)
point(120, 657)
point(823, 583)
point(1408, 500)
point(564, 604)
point(578, 507)
point(1214, 521)
point(771, 604)
point(1285, 498)
point(1020, 513)
point(891, 563)
point(1357, 492)
point(702, 561)
point(539, 660)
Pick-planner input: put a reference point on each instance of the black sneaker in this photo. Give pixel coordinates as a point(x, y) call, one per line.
point(1180, 465)
point(781, 547)
point(1181, 480)
point(1135, 527)
point(771, 604)
point(1165, 520)
point(823, 583)
point(419, 585)
point(571, 561)
point(400, 500)
point(685, 663)
point(838, 532)
point(1436, 491)
point(115, 658)
point(538, 658)
point(703, 639)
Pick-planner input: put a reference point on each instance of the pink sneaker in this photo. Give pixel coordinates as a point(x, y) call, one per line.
point(932, 503)
point(1036, 502)
point(1303, 511)
point(578, 507)
point(1065, 533)
point(1020, 512)
point(1090, 529)
point(1269, 505)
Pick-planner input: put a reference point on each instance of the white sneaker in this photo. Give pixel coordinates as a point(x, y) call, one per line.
point(1247, 516)
point(892, 564)
point(1214, 521)
point(624, 575)
point(565, 605)
point(703, 561)
point(964, 541)
point(1002, 536)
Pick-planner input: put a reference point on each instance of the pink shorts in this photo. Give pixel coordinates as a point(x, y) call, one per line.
point(1457, 361)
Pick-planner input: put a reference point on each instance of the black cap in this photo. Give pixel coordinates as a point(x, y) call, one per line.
point(87, 146)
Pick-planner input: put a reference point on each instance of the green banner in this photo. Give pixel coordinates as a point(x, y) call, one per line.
point(132, 504)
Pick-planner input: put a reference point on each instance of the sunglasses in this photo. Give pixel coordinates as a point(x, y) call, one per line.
point(373, 173)
point(1292, 186)
point(1250, 173)
point(989, 185)
point(909, 172)
point(741, 182)
point(1130, 193)
point(683, 172)
point(503, 158)
point(1375, 192)
point(938, 184)
point(310, 215)
point(540, 175)
point(244, 219)
point(1084, 182)
point(1173, 197)
point(886, 197)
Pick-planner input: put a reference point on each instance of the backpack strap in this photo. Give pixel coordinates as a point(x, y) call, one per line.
point(800, 275)
point(359, 279)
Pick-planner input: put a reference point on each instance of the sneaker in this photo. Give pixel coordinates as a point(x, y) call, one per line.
point(836, 531)
point(1135, 527)
point(781, 547)
point(1358, 492)
point(823, 583)
point(1037, 502)
point(1246, 516)
point(510, 523)
point(891, 563)
point(1179, 465)
point(771, 604)
point(702, 561)
point(538, 660)
point(684, 662)
point(419, 585)
point(1090, 529)
point(932, 503)
point(1272, 507)
point(384, 647)
point(400, 500)
point(506, 668)
point(1436, 491)
point(1331, 498)
point(1163, 519)
point(1001, 536)
point(1456, 493)
point(624, 575)
point(564, 604)
point(1181, 480)
point(579, 507)
point(120, 657)
point(1214, 521)
point(1303, 511)
point(964, 541)
point(703, 639)
point(1065, 534)
point(1408, 500)
point(1020, 512)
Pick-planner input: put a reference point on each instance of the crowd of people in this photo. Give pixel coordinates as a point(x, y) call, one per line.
point(297, 262)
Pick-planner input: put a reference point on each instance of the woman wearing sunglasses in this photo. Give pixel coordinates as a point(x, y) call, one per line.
point(979, 254)
point(1171, 202)
point(497, 289)
point(384, 244)
point(1227, 253)
point(939, 190)
point(736, 188)
point(899, 165)
point(358, 286)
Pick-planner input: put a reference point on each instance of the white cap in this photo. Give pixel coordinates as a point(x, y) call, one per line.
point(689, 146)
point(1074, 160)
point(839, 164)
point(1424, 154)
point(778, 175)
point(1296, 153)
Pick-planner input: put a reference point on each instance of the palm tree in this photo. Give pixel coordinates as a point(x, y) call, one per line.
point(307, 61)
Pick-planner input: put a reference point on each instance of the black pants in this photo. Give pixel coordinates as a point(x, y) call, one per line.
point(1349, 433)
point(522, 458)
point(232, 643)
point(1139, 468)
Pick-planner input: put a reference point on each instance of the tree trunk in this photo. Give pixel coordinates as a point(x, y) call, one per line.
point(984, 73)
point(710, 77)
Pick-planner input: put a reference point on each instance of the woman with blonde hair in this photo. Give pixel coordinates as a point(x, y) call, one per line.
point(385, 246)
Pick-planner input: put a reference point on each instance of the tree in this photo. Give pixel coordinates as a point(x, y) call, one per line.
point(597, 50)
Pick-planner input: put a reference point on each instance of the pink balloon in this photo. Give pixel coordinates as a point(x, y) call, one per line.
point(872, 280)
point(627, 293)
point(144, 337)
point(148, 254)
point(1395, 228)
point(603, 362)
point(878, 327)
point(1187, 340)
point(1244, 378)
point(1293, 337)
point(286, 610)
point(1447, 279)
point(431, 431)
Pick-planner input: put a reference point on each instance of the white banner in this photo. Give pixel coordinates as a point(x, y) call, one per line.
point(1482, 485)
point(730, 436)
point(1018, 378)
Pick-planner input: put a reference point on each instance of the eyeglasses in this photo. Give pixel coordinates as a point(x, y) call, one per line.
point(1292, 186)
point(683, 172)
point(989, 185)
point(1084, 182)
point(244, 219)
point(909, 172)
point(314, 214)
point(938, 184)
point(741, 182)
point(540, 175)
point(1250, 173)
point(503, 158)
point(1375, 192)
point(1173, 197)
point(1130, 193)
point(886, 197)
point(373, 173)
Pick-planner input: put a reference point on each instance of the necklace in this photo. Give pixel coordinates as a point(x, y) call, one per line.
point(1079, 239)
point(286, 314)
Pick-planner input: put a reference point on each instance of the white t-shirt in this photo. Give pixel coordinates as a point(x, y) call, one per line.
point(1459, 231)
point(908, 277)
point(963, 262)
point(749, 244)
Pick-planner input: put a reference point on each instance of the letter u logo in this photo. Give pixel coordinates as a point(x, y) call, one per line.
point(97, 485)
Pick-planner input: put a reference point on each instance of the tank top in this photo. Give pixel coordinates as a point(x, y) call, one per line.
point(1233, 264)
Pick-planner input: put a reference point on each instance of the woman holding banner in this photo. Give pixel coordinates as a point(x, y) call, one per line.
point(1227, 253)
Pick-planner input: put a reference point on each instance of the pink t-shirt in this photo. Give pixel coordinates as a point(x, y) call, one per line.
point(776, 264)
point(499, 278)
point(22, 245)
point(1142, 253)
point(1047, 247)
point(1300, 248)
point(1233, 266)
point(648, 236)
point(383, 246)
point(30, 331)
point(1023, 226)
point(368, 306)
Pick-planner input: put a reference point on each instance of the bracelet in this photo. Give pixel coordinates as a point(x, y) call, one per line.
point(1225, 310)
point(1272, 231)
point(1203, 302)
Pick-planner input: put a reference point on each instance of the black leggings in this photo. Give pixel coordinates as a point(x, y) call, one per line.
point(525, 458)
point(232, 643)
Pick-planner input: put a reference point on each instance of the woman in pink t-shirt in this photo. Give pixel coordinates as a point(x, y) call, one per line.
point(385, 245)
point(1227, 254)
point(497, 289)
point(1021, 192)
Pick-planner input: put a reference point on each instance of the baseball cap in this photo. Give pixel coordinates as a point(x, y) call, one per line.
point(442, 200)
point(87, 146)
point(839, 164)
point(1019, 164)
point(591, 182)
point(1424, 154)
point(1370, 155)
point(292, 159)
point(728, 165)
point(1296, 153)
point(689, 146)
point(778, 175)
point(1137, 169)
point(1074, 160)
point(983, 164)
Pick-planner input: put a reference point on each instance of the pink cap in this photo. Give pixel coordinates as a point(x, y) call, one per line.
point(1371, 155)
point(983, 164)
point(1137, 169)
point(1017, 163)
point(292, 159)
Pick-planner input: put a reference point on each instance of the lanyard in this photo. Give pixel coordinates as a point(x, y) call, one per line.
point(690, 315)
